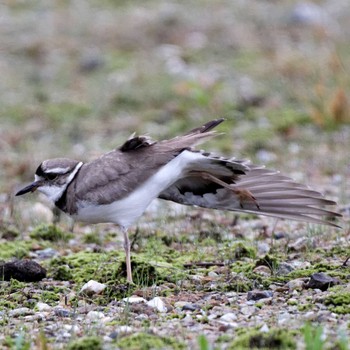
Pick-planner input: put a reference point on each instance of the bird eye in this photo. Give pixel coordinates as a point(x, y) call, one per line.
point(51, 176)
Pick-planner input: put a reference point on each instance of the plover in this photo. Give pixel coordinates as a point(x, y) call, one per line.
point(118, 186)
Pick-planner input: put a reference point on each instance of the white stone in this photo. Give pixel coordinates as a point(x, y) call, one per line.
point(158, 304)
point(284, 319)
point(124, 329)
point(265, 328)
point(43, 307)
point(22, 311)
point(95, 315)
point(134, 300)
point(93, 287)
point(229, 317)
point(213, 274)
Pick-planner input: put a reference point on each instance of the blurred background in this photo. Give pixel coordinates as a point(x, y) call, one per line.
point(78, 77)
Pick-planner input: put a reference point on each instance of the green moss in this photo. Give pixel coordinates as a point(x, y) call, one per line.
point(92, 238)
point(50, 233)
point(305, 307)
point(86, 343)
point(61, 273)
point(274, 339)
point(268, 260)
point(339, 302)
point(50, 298)
point(110, 268)
point(146, 341)
point(243, 250)
point(16, 249)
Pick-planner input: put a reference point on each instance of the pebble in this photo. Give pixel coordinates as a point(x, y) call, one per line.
point(259, 294)
point(190, 307)
point(279, 235)
point(283, 319)
point(180, 304)
point(71, 328)
point(284, 269)
point(262, 271)
point(46, 253)
point(134, 300)
point(43, 307)
point(321, 281)
point(62, 312)
point(299, 245)
point(296, 284)
point(265, 328)
point(213, 274)
point(158, 304)
point(248, 310)
point(263, 248)
point(141, 317)
point(92, 287)
point(22, 311)
point(229, 317)
point(95, 315)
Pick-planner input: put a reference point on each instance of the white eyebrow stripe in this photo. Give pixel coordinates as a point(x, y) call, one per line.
point(57, 170)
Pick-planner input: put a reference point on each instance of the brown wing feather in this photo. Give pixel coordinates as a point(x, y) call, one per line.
point(258, 191)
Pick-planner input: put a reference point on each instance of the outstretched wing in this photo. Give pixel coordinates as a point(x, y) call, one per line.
point(258, 190)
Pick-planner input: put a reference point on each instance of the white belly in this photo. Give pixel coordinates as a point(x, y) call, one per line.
point(127, 210)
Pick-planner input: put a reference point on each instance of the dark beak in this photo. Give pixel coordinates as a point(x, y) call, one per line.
point(30, 188)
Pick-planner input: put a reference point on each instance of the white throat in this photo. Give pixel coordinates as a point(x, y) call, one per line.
point(55, 192)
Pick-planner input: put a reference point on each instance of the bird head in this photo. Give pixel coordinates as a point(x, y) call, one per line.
point(52, 177)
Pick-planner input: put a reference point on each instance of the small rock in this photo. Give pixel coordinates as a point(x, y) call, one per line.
point(134, 300)
point(22, 270)
point(43, 307)
point(22, 311)
point(180, 304)
point(296, 284)
point(279, 235)
point(158, 304)
point(190, 307)
point(259, 294)
point(46, 253)
point(92, 287)
point(321, 281)
point(263, 248)
point(124, 329)
point(299, 245)
point(72, 328)
point(284, 269)
point(265, 328)
point(113, 335)
point(284, 319)
point(248, 310)
point(142, 317)
point(62, 313)
point(262, 271)
point(95, 315)
point(213, 274)
point(229, 317)
point(310, 316)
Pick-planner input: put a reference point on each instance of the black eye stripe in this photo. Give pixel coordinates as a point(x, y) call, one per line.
point(39, 171)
